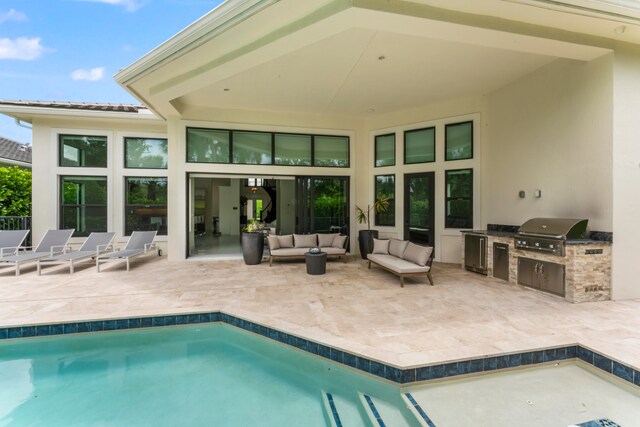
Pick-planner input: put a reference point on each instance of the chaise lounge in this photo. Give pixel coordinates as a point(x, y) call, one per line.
point(402, 258)
point(95, 244)
point(140, 242)
point(53, 242)
point(295, 246)
point(11, 241)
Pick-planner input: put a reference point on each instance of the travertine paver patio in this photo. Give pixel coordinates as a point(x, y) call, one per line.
point(359, 310)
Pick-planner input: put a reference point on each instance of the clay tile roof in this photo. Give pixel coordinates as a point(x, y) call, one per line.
point(95, 106)
point(13, 150)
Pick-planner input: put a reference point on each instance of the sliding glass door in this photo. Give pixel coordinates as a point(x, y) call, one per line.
point(322, 205)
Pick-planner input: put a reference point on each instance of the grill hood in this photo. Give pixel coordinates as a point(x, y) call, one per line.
point(557, 228)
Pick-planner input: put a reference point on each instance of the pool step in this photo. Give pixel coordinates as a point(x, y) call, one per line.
point(372, 410)
point(331, 410)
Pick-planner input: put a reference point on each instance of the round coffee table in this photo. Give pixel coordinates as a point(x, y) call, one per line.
point(316, 263)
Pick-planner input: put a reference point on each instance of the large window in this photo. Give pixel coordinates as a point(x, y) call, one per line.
point(253, 148)
point(146, 205)
point(458, 138)
point(208, 145)
point(292, 150)
point(459, 198)
point(331, 151)
point(420, 146)
point(83, 204)
point(385, 148)
point(145, 153)
point(82, 151)
point(386, 187)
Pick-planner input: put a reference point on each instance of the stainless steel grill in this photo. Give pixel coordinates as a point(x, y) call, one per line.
point(549, 235)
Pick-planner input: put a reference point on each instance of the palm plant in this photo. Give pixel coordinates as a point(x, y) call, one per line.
point(380, 205)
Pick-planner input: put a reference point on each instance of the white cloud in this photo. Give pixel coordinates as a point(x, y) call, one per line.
point(23, 48)
point(12, 15)
point(92, 75)
point(129, 5)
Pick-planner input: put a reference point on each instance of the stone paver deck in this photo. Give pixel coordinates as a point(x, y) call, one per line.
point(362, 311)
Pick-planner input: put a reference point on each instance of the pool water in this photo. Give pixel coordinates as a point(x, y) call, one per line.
point(213, 375)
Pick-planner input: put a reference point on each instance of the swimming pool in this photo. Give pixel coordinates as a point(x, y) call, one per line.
point(209, 374)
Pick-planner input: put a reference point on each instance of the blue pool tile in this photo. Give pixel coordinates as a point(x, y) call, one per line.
point(224, 317)
point(324, 351)
point(169, 320)
point(490, 363)
point(157, 321)
point(15, 332)
point(4, 333)
point(41, 331)
point(28, 331)
point(350, 360)
point(502, 362)
point(84, 327)
point(515, 360)
point(549, 355)
point(234, 321)
point(585, 354)
point(57, 329)
point(273, 334)
point(421, 411)
point(135, 323)
point(283, 337)
point(451, 369)
point(423, 373)
point(526, 358)
point(314, 347)
point(146, 322)
point(182, 319)
point(110, 325)
point(337, 355)
point(623, 371)
point(636, 377)
point(408, 376)
point(214, 317)
point(122, 324)
point(436, 371)
point(376, 369)
point(205, 318)
point(393, 374)
point(561, 353)
point(470, 366)
point(537, 356)
point(572, 352)
point(70, 328)
point(363, 364)
point(264, 331)
point(193, 318)
point(291, 340)
point(302, 344)
point(602, 362)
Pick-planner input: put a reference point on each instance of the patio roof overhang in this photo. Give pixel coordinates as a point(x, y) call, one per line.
point(358, 57)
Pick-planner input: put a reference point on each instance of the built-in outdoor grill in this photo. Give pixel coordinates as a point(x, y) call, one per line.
point(549, 235)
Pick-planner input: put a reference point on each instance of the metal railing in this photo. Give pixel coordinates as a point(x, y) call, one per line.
point(17, 223)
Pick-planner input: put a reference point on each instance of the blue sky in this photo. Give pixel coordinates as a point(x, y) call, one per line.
point(69, 50)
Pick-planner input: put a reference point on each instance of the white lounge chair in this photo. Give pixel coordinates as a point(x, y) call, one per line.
point(11, 241)
point(53, 242)
point(95, 244)
point(140, 242)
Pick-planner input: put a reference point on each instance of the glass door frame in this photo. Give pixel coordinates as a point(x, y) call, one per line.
point(301, 194)
point(432, 210)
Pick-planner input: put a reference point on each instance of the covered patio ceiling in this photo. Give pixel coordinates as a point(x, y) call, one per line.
point(353, 58)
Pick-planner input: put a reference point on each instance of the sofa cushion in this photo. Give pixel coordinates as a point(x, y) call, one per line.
point(274, 243)
point(289, 252)
point(286, 241)
point(381, 246)
point(417, 254)
point(305, 240)
point(396, 264)
point(334, 251)
point(339, 241)
point(325, 240)
point(396, 247)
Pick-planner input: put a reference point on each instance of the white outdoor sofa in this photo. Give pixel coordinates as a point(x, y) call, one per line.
point(292, 246)
point(402, 258)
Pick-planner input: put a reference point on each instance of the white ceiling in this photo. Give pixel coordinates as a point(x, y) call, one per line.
point(343, 75)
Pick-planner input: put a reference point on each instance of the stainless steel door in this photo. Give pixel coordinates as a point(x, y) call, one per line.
point(528, 272)
point(551, 276)
point(475, 253)
point(501, 261)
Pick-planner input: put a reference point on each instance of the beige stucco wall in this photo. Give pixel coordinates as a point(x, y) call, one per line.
point(551, 131)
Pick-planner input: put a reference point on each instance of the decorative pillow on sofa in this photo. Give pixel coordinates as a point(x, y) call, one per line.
point(274, 242)
point(417, 254)
point(286, 241)
point(325, 240)
point(397, 247)
point(305, 240)
point(381, 246)
point(338, 241)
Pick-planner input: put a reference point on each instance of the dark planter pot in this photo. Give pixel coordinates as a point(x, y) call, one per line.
point(365, 241)
point(252, 248)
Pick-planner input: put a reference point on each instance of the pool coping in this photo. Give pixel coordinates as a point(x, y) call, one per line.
point(402, 376)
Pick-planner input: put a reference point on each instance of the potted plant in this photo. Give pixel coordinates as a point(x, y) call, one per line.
point(253, 242)
point(365, 237)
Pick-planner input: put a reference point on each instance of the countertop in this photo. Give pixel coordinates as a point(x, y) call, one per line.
point(512, 234)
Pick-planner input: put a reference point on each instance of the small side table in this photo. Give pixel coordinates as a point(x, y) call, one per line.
point(316, 263)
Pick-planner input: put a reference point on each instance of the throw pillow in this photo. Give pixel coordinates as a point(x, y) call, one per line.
point(286, 241)
point(417, 254)
point(397, 247)
point(274, 243)
point(381, 246)
point(325, 240)
point(305, 240)
point(338, 241)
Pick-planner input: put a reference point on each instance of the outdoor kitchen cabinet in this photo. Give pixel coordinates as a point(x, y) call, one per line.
point(475, 253)
point(543, 275)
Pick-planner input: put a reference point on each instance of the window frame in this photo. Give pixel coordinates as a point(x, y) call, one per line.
point(125, 147)
point(435, 157)
point(392, 201)
point(375, 149)
point(126, 204)
point(62, 205)
point(447, 198)
point(446, 140)
point(61, 154)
